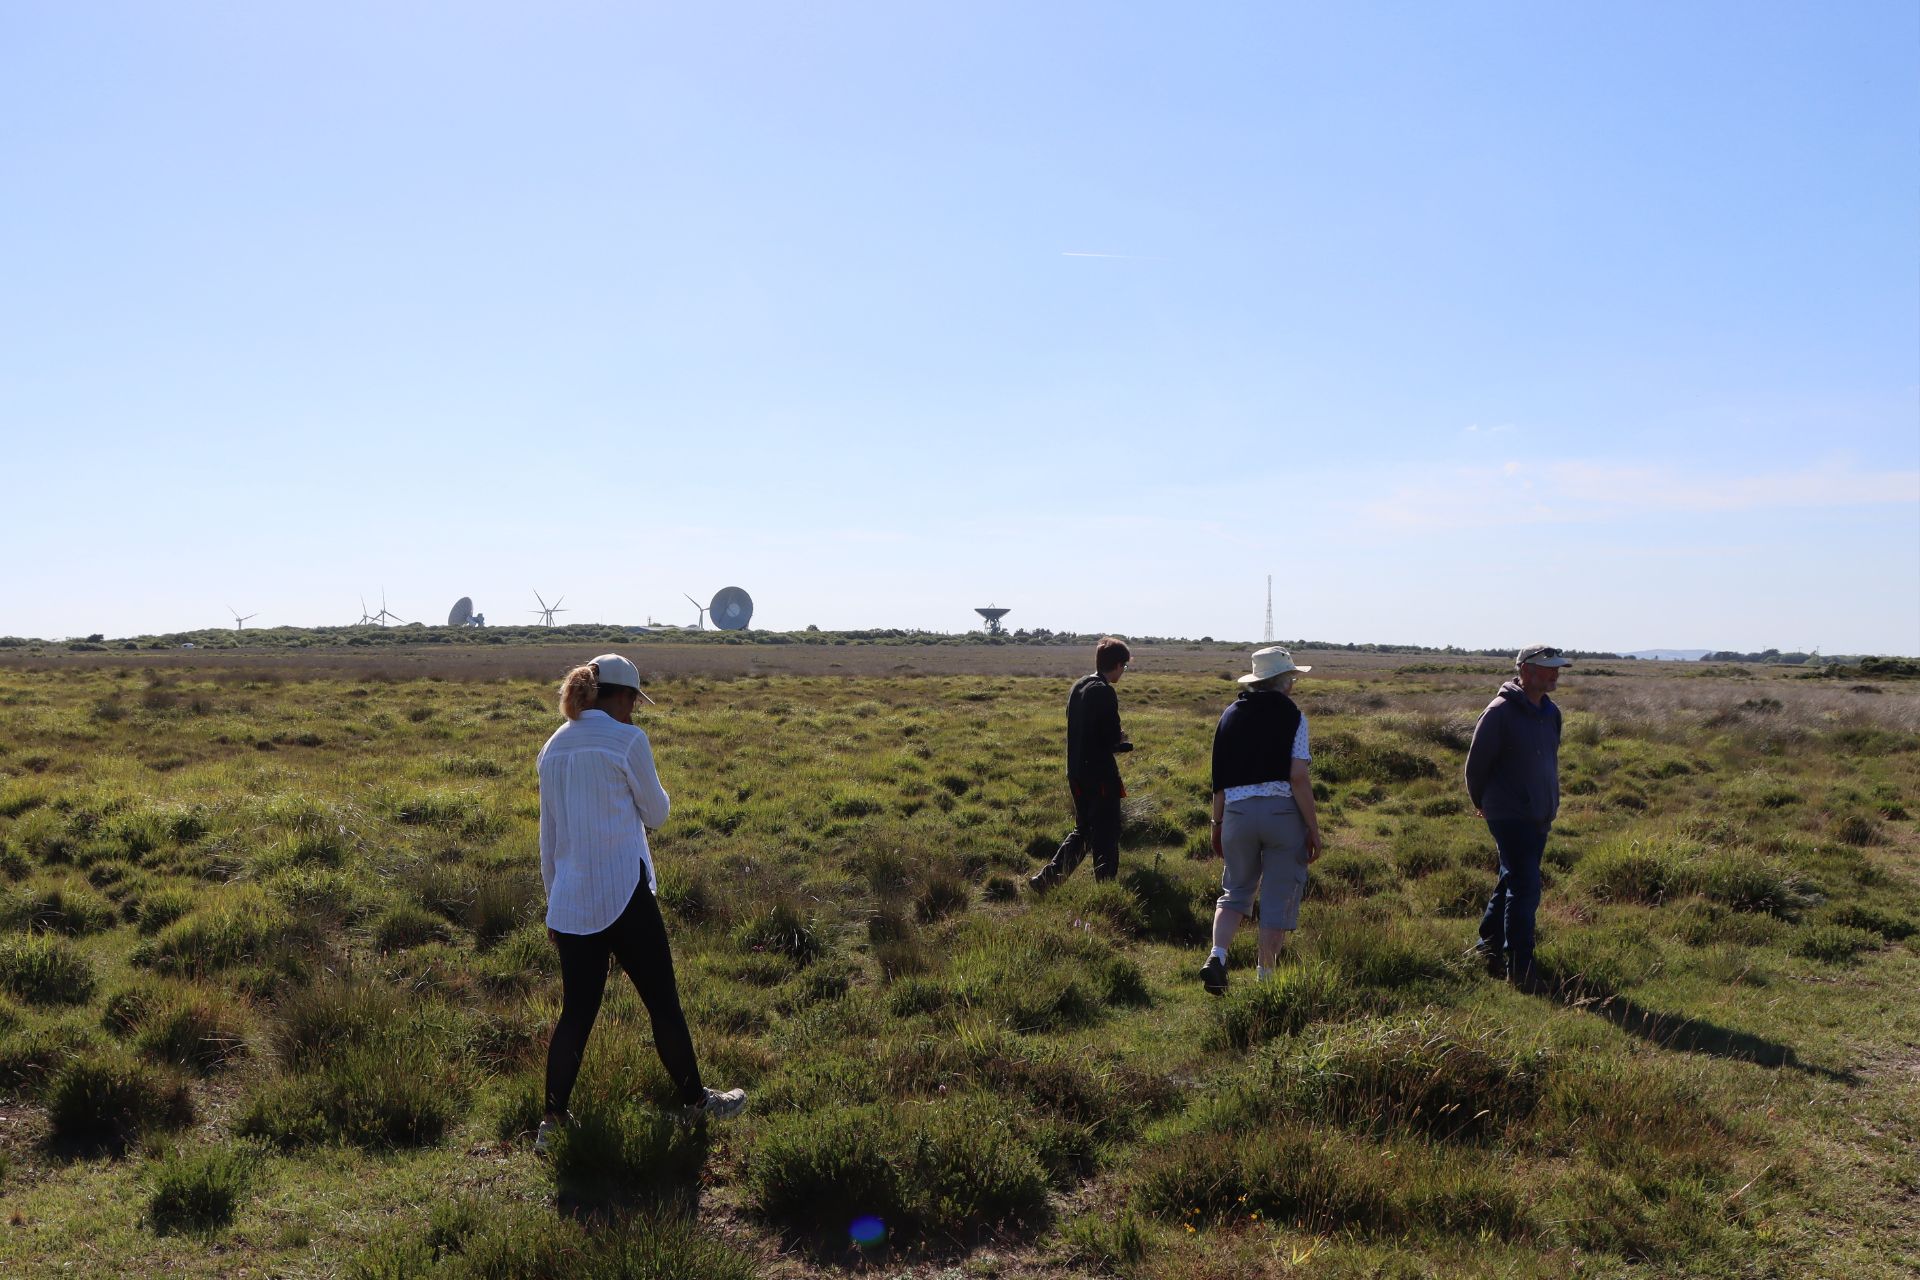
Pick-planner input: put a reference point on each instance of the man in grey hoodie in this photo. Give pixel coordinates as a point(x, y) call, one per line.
point(1513, 779)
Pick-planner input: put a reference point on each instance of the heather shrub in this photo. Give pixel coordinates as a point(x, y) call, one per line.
point(108, 1102)
point(197, 1191)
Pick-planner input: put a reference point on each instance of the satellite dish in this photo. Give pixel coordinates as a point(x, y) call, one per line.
point(731, 610)
point(461, 613)
point(993, 614)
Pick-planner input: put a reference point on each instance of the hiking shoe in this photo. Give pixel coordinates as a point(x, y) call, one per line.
point(543, 1139)
point(1041, 881)
point(720, 1105)
point(1213, 976)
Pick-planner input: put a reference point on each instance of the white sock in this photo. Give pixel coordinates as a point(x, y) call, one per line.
point(1263, 973)
point(1218, 953)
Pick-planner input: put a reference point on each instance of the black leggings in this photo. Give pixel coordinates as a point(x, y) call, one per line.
point(639, 940)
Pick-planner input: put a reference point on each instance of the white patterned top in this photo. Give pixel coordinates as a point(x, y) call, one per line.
point(1253, 789)
point(598, 795)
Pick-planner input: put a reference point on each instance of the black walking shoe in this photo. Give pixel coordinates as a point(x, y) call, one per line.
point(1042, 881)
point(1213, 976)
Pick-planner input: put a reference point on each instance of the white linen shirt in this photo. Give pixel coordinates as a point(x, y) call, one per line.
point(598, 795)
point(1252, 789)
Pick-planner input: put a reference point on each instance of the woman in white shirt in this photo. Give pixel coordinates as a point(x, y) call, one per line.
point(1264, 825)
point(598, 796)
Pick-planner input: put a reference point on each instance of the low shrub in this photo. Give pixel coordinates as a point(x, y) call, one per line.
point(32, 1054)
point(71, 908)
point(1033, 973)
point(618, 1150)
point(474, 1240)
point(238, 930)
point(198, 1191)
point(1889, 925)
point(161, 908)
point(406, 925)
point(1295, 997)
point(199, 1030)
point(45, 970)
point(1342, 757)
point(946, 1172)
point(780, 927)
point(1450, 1082)
point(1314, 1180)
point(1639, 872)
point(1749, 883)
point(1835, 943)
point(501, 903)
point(1600, 959)
point(942, 895)
point(377, 1096)
point(108, 1102)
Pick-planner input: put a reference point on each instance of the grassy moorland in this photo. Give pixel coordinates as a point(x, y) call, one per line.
point(274, 991)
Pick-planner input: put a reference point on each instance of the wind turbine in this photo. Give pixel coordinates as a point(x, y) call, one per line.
point(240, 623)
point(365, 617)
point(700, 623)
point(546, 611)
point(383, 617)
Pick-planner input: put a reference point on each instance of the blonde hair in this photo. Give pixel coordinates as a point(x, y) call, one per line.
point(579, 689)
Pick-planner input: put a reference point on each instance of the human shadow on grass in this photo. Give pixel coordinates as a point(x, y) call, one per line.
point(1671, 1031)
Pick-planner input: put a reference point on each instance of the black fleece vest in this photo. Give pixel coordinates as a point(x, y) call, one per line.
point(1254, 742)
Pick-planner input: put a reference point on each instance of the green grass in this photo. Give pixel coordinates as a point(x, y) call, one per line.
point(275, 991)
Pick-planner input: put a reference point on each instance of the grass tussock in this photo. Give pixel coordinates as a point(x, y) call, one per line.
point(197, 1191)
point(941, 1174)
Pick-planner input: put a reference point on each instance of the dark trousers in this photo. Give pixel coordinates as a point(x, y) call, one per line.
point(1096, 817)
point(638, 939)
point(1508, 922)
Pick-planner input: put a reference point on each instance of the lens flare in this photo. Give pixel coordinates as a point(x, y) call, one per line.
point(867, 1232)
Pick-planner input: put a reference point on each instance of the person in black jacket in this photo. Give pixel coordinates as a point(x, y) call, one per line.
point(1264, 825)
point(1513, 780)
point(1094, 737)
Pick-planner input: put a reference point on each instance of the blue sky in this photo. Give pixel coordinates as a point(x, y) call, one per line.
point(1470, 323)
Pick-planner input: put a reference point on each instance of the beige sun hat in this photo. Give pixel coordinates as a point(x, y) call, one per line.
point(1268, 663)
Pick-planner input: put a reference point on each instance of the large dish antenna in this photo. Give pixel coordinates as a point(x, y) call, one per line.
point(462, 612)
point(993, 614)
point(731, 610)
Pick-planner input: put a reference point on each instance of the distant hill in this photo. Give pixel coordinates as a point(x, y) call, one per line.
point(1669, 655)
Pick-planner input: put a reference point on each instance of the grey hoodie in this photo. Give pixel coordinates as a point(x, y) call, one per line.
point(1513, 766)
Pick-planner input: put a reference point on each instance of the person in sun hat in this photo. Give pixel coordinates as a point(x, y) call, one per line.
point(1094, 737)
point(599, 793)
point(1513, 780)
point(1264, 825)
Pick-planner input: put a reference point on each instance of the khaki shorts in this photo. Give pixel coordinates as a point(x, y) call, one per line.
point(1264, 840)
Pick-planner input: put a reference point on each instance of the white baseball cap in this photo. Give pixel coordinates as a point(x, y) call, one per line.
point(611, 668)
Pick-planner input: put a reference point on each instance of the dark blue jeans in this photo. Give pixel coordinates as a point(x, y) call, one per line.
point(1508, 923)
